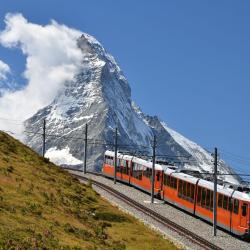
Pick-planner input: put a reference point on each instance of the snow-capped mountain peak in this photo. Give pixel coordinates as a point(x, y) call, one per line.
point(99, 94)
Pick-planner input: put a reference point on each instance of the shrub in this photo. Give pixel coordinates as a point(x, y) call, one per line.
point(78, 232)
point(111, 217)
point(32, 208)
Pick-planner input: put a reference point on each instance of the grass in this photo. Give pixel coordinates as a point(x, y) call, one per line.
point(44, 207)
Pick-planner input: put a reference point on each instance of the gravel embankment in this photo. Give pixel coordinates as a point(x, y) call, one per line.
point(205, 230)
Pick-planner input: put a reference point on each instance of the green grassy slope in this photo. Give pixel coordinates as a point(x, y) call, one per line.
point(43, 207)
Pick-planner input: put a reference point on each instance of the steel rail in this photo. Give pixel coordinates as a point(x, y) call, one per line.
point(205, 244)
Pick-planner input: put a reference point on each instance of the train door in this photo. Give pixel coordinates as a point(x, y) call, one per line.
point(244, 215)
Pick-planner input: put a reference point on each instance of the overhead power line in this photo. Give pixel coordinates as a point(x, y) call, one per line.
point(137, 149)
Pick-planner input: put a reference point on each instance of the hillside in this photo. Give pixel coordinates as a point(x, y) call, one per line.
point(43, 207)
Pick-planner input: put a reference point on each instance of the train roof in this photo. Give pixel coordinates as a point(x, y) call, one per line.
point(148, 164)
point(209, 185)
point(186, 177)
point(112, 154)
point(225, 190)
point(137, 160)
point(241, 196)
point(220, 188)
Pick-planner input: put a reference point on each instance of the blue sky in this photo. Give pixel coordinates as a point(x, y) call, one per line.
point(186, 61)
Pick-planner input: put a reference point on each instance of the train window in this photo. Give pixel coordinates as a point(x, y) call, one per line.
point(220, 199)
point(158, 175)
point(144, 171)
point(124, 168)
point(175, 183)
point(134, 169)
point(171, 182)
point(236, 206)
point(244, 209)
point(211, 200)
point(107, 160)
point(168, 180)
point(165, 179)
point(188, 189)
point(184, 188)
point(127, 164)
point(127, 167)
point(230, 205)
point(117, 168)
point(208, 198)
point(139, 175)
point(180, 188)
point(199, 196)
point(110, 161)
point(147, 172)
point(139, 172)
point(192, 191)
point(225, 202)
point(203, 197)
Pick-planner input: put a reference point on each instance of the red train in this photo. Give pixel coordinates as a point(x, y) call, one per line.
point(192, 194)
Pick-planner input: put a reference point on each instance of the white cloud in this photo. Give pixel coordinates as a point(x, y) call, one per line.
point(52, 57)
point(4, 70)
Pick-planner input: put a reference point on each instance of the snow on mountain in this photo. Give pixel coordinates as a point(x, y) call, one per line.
point(62, 156)
point(203, 158)
point(100, 95)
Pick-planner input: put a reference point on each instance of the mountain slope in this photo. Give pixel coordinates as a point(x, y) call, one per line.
point(100, 95)
point(44, 207)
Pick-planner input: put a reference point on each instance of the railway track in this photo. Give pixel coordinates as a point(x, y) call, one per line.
point(205, 244)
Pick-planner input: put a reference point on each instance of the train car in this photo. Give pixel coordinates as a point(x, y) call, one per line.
point(190, 193)
point(240, 220)
point(180, 189)
point(196, 196)
point(233, 212)
point(141, 175)
point(123, 170)
point(135, 171)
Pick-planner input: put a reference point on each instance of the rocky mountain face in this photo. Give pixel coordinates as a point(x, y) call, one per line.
point(100, 96)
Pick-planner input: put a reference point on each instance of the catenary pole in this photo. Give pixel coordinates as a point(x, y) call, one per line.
point(215, 194)
point(116, 137)
point(153, 171)
point(85, 149)
point(44, 136)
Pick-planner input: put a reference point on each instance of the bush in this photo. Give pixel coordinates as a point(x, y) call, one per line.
point(111, 217)
point(78, 232)
point(32, 208)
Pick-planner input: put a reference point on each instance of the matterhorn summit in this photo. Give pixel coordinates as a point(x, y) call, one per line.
point(99, 95)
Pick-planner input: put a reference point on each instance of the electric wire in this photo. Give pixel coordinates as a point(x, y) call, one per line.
point(96, 142)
